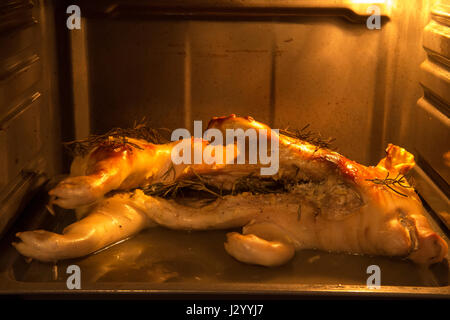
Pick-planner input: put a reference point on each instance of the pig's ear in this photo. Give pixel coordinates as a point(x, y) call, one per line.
point(397, 160)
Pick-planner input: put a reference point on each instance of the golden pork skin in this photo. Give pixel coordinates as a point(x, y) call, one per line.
point(340, 209)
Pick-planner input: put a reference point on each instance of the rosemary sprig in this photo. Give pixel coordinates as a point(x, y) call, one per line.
point(249, 183)
point(398, 181)
point(171, 169)
point(258, 185)
point(117, 137)
point(309, 136)
point(171, 190)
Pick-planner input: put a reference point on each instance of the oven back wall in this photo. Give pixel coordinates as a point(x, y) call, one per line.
point(348, 82)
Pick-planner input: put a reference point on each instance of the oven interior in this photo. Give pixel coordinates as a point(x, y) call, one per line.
point(285, 63)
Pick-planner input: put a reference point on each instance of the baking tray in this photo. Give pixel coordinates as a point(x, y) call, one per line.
point(159, 261)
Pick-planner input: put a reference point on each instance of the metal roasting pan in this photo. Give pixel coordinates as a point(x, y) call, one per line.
point(166, 262)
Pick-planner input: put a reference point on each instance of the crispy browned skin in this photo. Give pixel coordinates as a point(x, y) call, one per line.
point(108, 168)
point(386, 223)
point(340, 210)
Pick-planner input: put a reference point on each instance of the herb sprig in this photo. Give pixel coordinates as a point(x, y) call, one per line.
point(398, 181)
point(248, 183)
point(309, 136)
point(117, 137)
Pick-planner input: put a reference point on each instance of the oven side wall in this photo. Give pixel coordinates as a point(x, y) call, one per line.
point(30, 140)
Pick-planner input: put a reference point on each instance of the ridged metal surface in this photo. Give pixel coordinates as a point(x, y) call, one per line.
point(26, 123)
point(20, 72)
point(433, 110)
point(15, 15)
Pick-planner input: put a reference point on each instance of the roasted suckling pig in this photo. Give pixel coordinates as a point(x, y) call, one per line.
point(318, 199)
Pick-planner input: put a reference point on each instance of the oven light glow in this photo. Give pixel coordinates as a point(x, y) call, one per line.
point(366, 7)
point(387, 3)
point(370, 1)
